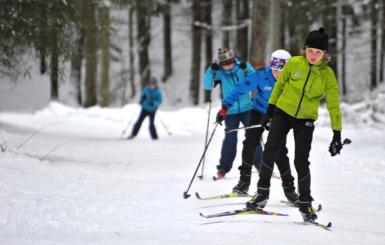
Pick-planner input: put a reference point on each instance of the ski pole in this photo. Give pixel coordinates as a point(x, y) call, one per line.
point(215, 83)
point(185, 194)
point(245, 128)
point(128, 124)
point(206, 137)
point(164, 125)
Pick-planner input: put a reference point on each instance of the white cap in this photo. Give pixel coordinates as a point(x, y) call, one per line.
point(278, 59)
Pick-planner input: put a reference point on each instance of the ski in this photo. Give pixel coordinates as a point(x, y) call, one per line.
point(323, 226)
point(319, 207)
point(242, 212)
point(230, 195)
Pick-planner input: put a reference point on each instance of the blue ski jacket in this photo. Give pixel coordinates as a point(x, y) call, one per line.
point(261, 83)
point(228, 80)
point(150, 99)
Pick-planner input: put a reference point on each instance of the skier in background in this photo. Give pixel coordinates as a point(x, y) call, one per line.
point(228, 72)
point(293, 104)
point(150, 100)
point(261, 82)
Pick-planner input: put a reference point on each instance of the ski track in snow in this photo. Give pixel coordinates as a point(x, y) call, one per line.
point(77, 182)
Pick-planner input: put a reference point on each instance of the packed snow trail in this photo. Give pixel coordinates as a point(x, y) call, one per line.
point(76, 182)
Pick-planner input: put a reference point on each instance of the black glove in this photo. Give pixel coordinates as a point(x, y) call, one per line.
point(243, 65)
point(268, 116)
point(336, 145)
point(221, 114)
point(215, 67)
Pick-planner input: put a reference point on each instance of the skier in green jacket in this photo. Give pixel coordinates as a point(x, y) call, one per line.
point(293, 104)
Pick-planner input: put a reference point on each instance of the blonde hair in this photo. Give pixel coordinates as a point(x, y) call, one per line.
point(327, 58)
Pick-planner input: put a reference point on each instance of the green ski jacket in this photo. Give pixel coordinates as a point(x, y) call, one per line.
point(300, 88)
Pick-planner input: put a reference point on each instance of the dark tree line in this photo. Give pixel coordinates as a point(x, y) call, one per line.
point(79, 32)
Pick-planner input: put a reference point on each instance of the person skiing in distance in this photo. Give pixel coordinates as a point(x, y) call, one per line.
point(293, 104)
point(228, 72)
point(261, 82)
point(150, 100)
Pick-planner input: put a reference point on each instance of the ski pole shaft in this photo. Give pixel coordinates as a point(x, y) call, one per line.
point(164, 125)
point(185, 194)
point(245, 128)
point(208, 120)
point(128, 124)
point(207, 134)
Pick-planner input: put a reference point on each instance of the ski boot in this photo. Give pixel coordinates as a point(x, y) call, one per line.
point(258, 201)
point(244, 182)
point(307, 211)
point(220, 175)
point(292, 198)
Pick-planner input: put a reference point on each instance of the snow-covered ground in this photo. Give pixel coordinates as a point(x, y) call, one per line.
point(67, 177)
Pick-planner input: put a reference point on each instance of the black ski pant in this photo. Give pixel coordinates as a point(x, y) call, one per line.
point(138, 124)
point(303, 135)
point(252, 138)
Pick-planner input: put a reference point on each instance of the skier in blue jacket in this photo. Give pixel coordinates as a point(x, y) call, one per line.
point(261, 83)
point(150, 100)
point(228, 72)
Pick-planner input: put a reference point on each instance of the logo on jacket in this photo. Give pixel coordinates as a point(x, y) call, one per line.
point(268, 88)
point(297, 74)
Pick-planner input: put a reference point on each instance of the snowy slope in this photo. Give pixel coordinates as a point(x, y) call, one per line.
point(76, 182)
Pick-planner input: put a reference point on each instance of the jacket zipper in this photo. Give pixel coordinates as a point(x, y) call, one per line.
point(303, 90)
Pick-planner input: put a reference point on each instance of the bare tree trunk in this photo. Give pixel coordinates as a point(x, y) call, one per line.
point(207, 8)
point(43, 41)
point(196, 52)
point(343, 56)
point(259, 21)
point(144, 39)
point(54, 75)
point(382, 61)
point(43, 62)
point(167, 41)
point(373, 66)
point(330, 24)
point(131, 54)
point(90, 53)
point(276, 25)
point(339, 21)
point(242, 33)
point(104, 21)
point(227, 7)
point(208, 34)
point(76, 64)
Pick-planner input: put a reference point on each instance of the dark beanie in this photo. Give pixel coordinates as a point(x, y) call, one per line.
point(153, 80)
point(317, 39)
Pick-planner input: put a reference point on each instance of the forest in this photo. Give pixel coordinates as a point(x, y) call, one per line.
point(107, 50)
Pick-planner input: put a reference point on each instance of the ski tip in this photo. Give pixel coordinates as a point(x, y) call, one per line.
point(329, 225)
point(197, 195)
point(319, 207)
point(214, 178)
point(202, 215)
